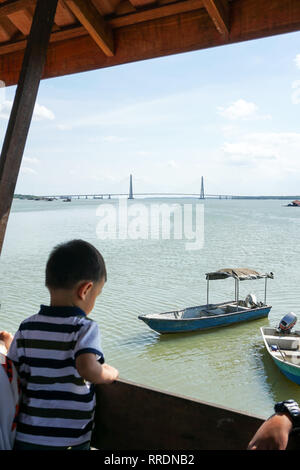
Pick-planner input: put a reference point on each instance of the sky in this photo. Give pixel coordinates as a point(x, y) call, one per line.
point(230, 114)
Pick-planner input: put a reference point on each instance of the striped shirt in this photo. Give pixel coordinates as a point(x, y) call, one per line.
point(57, 404)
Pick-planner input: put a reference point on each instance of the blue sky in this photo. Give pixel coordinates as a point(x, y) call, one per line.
point(229, 113)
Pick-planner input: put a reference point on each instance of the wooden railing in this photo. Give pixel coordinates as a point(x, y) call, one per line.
point(130, 416)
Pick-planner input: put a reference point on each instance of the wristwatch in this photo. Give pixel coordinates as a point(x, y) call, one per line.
point(290, 407)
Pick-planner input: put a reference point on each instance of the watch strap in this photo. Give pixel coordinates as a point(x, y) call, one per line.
point(290, 407)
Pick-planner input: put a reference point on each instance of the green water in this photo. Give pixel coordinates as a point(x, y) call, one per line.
point(226, 366)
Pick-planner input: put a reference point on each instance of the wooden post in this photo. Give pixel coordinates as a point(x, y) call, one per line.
point(22, 110)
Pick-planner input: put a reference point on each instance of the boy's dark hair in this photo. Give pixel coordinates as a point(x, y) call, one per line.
point(72, 262)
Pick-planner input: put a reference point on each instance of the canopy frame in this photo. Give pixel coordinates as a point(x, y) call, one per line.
point(239, 274)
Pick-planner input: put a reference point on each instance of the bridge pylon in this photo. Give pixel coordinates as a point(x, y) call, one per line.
point(202, 195)
point(130, 189)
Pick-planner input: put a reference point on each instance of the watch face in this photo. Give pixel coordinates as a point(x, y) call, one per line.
point(279, 406)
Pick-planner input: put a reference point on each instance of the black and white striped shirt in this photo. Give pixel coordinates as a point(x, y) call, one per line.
point(57, 405)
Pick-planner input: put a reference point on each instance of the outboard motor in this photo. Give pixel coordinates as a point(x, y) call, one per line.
point(251, 301)
point(287, 322)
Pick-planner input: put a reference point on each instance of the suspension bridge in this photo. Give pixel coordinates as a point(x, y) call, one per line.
point(131, 195)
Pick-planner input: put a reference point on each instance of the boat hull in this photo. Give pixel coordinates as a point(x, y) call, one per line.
point(187, 325)
point(291, 371)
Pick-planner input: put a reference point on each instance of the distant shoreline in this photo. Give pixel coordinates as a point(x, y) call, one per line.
point(30, 197)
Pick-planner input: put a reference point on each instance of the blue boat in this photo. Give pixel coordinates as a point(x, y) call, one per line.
point(283, 345)
point(210, 315)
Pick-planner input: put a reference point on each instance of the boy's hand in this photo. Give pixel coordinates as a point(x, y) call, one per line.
point(273, 434)
point(111, 373)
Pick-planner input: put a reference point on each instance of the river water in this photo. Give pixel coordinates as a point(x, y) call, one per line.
point(225, 366)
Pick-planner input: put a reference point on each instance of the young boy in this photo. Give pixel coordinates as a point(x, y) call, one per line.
point(58, 355)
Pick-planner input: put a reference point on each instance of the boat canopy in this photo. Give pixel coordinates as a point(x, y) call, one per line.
point(242, 274)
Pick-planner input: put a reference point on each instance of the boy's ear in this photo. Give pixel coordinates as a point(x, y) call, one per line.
point(83, 289)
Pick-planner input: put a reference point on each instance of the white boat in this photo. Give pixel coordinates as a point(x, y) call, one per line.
point(283, 345)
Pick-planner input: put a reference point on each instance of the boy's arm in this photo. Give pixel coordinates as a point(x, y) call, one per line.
point(273, 434)
point(91, 370)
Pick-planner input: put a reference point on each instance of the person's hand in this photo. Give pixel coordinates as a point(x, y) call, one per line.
point(111, 371)
point(7, 338)
point(273, 434)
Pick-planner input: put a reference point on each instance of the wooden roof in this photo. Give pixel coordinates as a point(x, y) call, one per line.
point(90, 34)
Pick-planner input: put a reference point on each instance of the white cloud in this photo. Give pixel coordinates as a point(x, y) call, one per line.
point(172, 164)
point(27, 163)
point(30, 160)
point(296, 92)
point(152, 112)
point(270, 151)
point(113, 139)
point(5, 109)
point(241, 109)
point(144, 153)
point(297, 61)
point(245, 151)
point(28, 171)
point(40, 112)
point(277, 138)
point(64, 127)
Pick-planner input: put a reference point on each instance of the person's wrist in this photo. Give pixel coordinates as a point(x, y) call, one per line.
point(283, 420)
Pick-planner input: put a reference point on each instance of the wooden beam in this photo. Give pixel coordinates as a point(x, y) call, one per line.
point(12, 6)
point(7, 29)
point(23, 106)
point(218, 10)
point(90, 18)
point(182, 32)
point(22, 20)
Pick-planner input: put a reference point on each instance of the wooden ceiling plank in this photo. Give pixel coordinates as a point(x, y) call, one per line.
point(64, 16)
point(90, 18)
point(106, 7)
point(142, 3)
point(60, 35)
point(157, 12)
point(125, 7)
point(218, 10)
